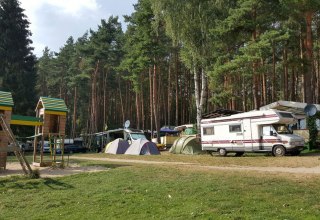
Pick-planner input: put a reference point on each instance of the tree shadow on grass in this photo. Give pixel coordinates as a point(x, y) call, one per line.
point(107, 165)
point(21, 182)
point(56, 184)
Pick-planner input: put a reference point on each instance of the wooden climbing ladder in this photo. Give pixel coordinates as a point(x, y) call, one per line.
point(15, 146)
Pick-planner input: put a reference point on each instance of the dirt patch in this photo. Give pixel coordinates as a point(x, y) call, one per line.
point(15, 169)
point(296, 170)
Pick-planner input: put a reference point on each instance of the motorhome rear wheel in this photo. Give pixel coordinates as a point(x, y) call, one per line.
point(222, 152)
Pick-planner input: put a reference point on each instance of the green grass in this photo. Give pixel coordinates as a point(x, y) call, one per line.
point(148, 191)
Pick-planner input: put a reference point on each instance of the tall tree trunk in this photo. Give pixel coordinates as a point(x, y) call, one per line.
point(264, 86)
point(293, 84)
point(199, 94)
point(104, 101)
point(302, 69)
point(155, 102)
point(177, 88)
point(244, 94)
point(285, 74)
point(255, 84)
point(138, 110)
point(273, 93)
point(93, 115)
point(318, 75)
point(74, 120)
point(143, 118)
point(169, 95)
point(309, 58)
point(151, 101)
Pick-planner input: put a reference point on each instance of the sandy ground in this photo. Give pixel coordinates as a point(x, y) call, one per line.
point(15, 168)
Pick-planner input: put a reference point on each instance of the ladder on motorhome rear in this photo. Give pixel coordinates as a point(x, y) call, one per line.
point(16, 149)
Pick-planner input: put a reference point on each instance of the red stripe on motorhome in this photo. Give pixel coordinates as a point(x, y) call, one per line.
point(244, 141)
point(234, 119)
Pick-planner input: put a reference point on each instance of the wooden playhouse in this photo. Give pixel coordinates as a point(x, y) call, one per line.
point(52, 112)
point(6, 104)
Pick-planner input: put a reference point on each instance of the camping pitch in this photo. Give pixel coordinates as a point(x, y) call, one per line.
point(186, 145)
point(142, 147)
point(118, 146)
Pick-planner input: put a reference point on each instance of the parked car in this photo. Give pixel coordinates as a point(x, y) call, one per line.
point(74, 149)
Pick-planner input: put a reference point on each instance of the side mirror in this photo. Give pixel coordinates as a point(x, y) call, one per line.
point(273, 133)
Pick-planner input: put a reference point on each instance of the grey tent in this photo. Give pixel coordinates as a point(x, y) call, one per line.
point(187, 145)
point(142, 147)
point(118, 146)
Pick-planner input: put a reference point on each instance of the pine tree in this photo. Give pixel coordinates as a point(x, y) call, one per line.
point(17, 62)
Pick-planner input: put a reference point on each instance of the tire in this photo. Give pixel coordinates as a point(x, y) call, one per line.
point(278, 151)
point(222, 152)
point(210, 152)
point(239, 154)
point(71, 152)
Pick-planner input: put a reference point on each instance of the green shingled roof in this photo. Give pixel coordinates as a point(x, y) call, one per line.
point(53, 104)
point(25, 118)
point(6, 99)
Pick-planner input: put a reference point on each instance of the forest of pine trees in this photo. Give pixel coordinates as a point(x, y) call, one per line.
point(176, 60)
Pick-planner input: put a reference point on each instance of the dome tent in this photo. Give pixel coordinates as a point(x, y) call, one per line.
point(142, 147)
point(118, 146)
point(186, 145)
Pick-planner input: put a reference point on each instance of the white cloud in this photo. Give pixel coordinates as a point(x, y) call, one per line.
point(53, 21)
point(72, 7)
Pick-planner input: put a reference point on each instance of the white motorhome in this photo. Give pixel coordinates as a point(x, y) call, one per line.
point(255, 131)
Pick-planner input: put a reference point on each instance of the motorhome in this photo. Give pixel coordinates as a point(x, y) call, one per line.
point(255, 131)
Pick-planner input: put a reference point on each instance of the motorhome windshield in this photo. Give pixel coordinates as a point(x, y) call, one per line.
point(136, 136)
point(282, 129)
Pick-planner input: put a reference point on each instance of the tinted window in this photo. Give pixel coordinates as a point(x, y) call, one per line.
point(208, 131)
point(234, 128)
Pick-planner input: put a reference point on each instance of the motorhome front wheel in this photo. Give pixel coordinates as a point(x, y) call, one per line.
point(279, 151)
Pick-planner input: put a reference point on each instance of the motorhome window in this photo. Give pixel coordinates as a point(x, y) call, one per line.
point(208, 131)
point(281, 129)
point(234, 128)
point(286, 115)
point(266, 130)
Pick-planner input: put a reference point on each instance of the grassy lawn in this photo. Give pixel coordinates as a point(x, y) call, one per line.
point(140, 191)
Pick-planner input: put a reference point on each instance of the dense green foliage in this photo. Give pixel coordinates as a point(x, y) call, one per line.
point(17, 62)
point(176, 60)
point(148, 191)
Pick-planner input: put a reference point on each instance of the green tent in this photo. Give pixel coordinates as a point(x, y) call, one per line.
point(190, 131)
point(187, 145)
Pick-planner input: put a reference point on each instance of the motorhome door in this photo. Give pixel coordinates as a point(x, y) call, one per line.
point(247, 134)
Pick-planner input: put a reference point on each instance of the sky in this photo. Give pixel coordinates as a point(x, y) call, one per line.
point(54, 21)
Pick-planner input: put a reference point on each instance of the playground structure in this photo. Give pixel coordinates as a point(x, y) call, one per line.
point(52, 112)
point(6, 104)
point(49, 126)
